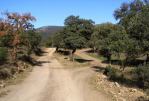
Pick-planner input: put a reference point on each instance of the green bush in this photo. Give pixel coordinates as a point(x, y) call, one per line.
point(3, 55)
point(110, 72)
point(147, 91)
point(5, 72)
point(141, 74)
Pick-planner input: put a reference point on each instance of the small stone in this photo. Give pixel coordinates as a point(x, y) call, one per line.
point(113, 93)
point(121, 99)
point(104, 77)
point(121, 91)
point(133, 90)
point(124, 89)
point(99, 83)
point(110, 85)
point(117, 85)
point(141, 98)
point(2, 86)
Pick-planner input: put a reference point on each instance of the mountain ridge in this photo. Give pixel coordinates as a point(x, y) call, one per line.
point(47, 31)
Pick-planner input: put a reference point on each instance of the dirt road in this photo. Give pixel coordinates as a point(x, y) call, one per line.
point(49, 81)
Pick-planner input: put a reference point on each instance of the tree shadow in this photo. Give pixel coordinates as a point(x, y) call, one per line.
point(133, 63)
point(82, 60)
point(40, 63)
point(63, 52)
point(136, 62)
point(97, 68)
point(113, 62)
point(91, 51)
point(40, 53)
point(28, 59)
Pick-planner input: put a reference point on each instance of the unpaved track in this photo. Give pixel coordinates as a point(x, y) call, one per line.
point(49, 81)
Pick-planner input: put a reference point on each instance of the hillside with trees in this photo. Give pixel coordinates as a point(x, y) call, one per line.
point(47, 31)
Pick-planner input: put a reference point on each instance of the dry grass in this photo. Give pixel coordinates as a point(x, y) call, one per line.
point(4, 93)
point(18, 78)
point(94, 82)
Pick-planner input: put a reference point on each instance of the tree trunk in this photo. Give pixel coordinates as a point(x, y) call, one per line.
point(13, 54)
point(109, 60)
point(56, 49)
point(94, 49)
point(147, 58)
point(71, 54)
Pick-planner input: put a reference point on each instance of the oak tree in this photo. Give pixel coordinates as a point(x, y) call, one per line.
point(77, 32)
point(14, 25)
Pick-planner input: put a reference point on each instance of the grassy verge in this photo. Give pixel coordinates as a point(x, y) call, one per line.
point(97, 57)
point(18, 78)
point(101, 57)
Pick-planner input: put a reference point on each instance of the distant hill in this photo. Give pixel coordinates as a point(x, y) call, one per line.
point(47, 31)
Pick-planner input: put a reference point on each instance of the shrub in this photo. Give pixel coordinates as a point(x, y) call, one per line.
point(3, 55)
point(141, 74)
point(5, 72)
point(147, 91)
point(110, 72)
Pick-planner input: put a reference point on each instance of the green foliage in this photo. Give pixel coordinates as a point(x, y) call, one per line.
point(58, 39)
point(94, 41)
point(104, 30)
point(3, 55)
point(74, 35)
point(122, 44)
point(77, 31)
point(140, 73)
point(47, 42)
point(30, 38)
point(111, 72)
point(147, 91)
point(5, 72)
point(127, 11)
point(34, 38)
point(113, 40)
point(6, 40)
point(138, 29)
point(134, 17)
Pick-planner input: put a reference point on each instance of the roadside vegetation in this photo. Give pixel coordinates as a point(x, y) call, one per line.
point(19, 44)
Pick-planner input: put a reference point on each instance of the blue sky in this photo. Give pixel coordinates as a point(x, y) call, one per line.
point(54, 12)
